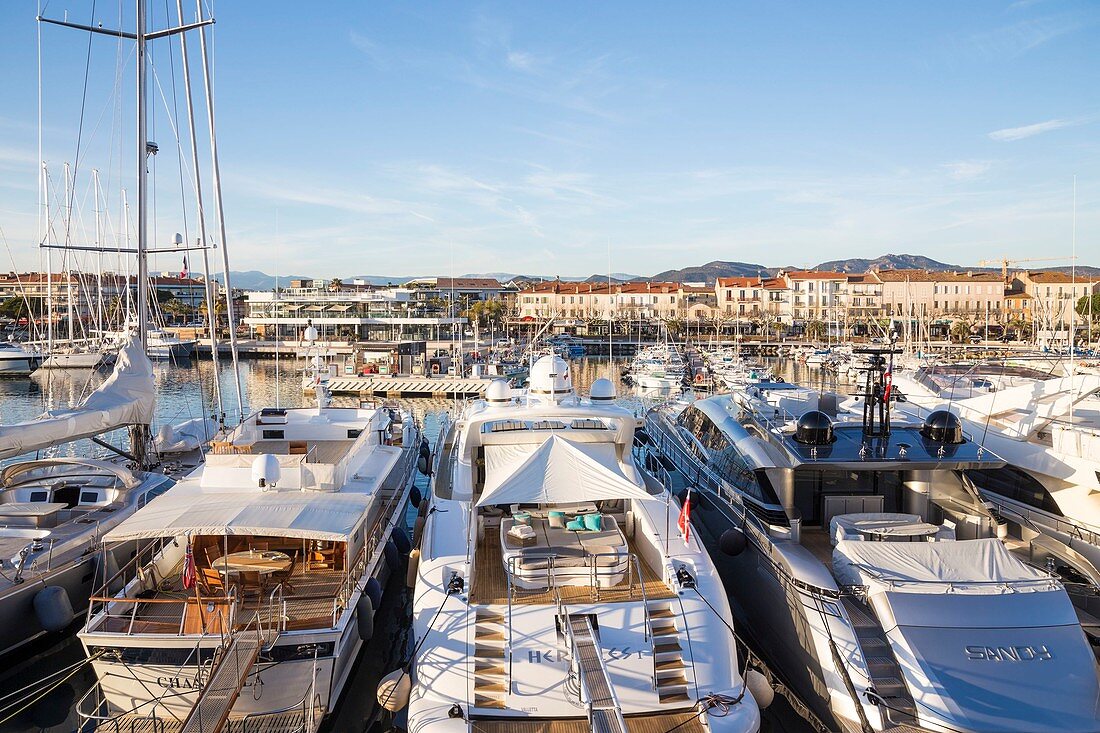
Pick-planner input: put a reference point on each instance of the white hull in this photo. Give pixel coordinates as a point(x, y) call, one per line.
point(18, 365)
point(77, 360)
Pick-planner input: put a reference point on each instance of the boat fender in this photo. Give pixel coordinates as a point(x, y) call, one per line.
point(415, 497)
point(423, 466)
point(630, 524)
point(425, 449)
point(374, 589)
point(732, 542)
point(418, 531)
point(414, 566)
point(422, 510)
point(393, 557)
point(760, 688)
point(401, 540)
point(53, 608)
point(364, 617)
point(393, 690)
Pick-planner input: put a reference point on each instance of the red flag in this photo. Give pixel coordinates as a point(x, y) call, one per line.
point(889, 386)
point(189, 572)
point(184, 272)
point(684, 522)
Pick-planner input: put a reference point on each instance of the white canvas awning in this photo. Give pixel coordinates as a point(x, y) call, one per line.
point(127, 397)
point(280, 513)
point(557, 471)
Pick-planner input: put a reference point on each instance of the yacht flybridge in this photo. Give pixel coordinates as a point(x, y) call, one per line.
point(260, 570)
point(555, 590)
point(860, 557)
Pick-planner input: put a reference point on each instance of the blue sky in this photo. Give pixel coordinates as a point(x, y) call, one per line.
point(430, 138)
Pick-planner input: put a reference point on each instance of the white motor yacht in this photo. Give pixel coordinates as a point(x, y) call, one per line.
point(555, 589)
point(867, 570)
point(16, 360)
point(260, 572)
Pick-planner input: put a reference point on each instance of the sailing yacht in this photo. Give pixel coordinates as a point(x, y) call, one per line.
point(555, 588)
point(868, 570)
point(54, 511)
point(260, 570)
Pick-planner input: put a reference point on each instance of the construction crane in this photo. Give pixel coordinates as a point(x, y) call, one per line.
point(1005, 262)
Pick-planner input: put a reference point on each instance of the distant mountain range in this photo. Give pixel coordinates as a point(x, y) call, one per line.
point(256, 280)
point(887, 262)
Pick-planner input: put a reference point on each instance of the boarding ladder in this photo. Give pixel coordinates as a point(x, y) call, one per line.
point(604, 715)
point(235, 662)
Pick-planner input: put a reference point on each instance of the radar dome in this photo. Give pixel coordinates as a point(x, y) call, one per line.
point(814, 428)
point(943, 426)
point(265, 470)
point(499, 392)
point(550, 378)
point(603, 390)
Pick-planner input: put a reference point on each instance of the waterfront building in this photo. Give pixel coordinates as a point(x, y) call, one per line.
point(355, 312)
point(1050, 297)
point(816, 295)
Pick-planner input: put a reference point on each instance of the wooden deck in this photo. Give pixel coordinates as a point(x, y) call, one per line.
point(490, 584)
point(690, 722)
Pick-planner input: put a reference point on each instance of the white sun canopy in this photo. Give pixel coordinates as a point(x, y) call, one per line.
point(331, 517)
point(557, 471)
point(127, 397)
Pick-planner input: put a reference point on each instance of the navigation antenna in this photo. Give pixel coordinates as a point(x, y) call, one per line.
point(878, 386)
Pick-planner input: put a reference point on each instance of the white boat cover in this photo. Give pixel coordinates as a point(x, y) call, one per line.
point(127, 397)
point(331, 517)
point(185, 436)
point(557, 471)
point(981, 567)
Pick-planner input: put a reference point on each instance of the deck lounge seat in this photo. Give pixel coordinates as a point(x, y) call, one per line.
point(854, 526)
point(574, 554)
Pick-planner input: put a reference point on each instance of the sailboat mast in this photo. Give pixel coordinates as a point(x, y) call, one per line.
point(49, 259)
point(142, 182)
point(65, 261)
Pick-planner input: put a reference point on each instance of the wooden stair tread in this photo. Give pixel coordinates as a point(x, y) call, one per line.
point(678, 681)
point(481, 701)
point(488, 686)
point(489, 652)
point(669, 664)
point(675, 697)
point(666, 647)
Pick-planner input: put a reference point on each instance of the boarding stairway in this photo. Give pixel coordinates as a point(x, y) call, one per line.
point(235, 662)
point(604, 715)
point(898, 710)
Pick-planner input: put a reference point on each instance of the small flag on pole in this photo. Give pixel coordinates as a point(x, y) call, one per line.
point(889, 387)
point(684, 522)
point(184, 272)
point(189, 572)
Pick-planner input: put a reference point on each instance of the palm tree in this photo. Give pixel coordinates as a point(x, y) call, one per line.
point(815, 330)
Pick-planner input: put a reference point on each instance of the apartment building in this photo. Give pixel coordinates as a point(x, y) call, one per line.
point(1049, 296)
point(816, 295)
point(739, 297)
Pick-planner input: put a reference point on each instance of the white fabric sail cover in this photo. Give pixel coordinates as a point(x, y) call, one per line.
point(331, 517)
point(963, 566)
point(127, 397)
point(557, 471)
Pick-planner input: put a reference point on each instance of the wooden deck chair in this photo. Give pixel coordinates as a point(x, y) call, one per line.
point(283, 576)
point(210, 580)
point(251, 582)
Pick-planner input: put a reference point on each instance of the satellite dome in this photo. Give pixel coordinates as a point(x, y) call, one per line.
point(550, 378)
point(265, 470)
point(814, 428)
point(943, 426)
point(499, 392)
point(603, 390)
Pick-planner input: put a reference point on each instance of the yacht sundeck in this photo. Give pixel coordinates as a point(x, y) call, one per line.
point(869, 572)
point(261, 570)
point(554, 590)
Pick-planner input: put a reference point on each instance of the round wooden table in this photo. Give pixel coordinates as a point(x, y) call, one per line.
point(264, 562)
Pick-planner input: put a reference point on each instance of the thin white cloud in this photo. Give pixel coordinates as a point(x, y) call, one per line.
point(1011, 134)
point(967, 170)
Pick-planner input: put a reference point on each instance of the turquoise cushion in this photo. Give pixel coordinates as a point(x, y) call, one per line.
point(522, 518)
point(556, 513)
point(592, 522)
point(575, 525)
point(556, 519)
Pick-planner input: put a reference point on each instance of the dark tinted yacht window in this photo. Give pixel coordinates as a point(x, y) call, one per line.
point(1012, 483)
